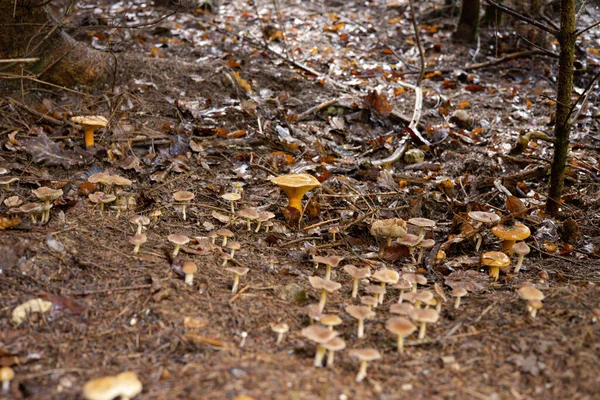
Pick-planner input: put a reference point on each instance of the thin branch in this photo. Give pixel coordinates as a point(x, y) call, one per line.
point(19, 60)
point(584, 30)
point(522, 17)
point(582, 98)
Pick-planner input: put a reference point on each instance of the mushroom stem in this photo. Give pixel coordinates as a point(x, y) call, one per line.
point(236, 282)
point(355, 288)
point(422, 330)
point(319, 355)
point(89, 137)
point(420, 257)
point(136, 248)
point(232, 253)
point(183, 212)
point(479, 240)
point(189, 279)
point(361, 328)
point(323, 300)
point(507, 246)
point(330, 358)
point(382, 295)
point(258, 225)
point(457, 302)
point(232, 206)
point(495, 272)
point(519, 263)
point(533, 312)
point(328, 272)
point(249, 224)
point(401, 297)
point(224, 241)
point(389, 241)
point(5, 386)
point(296, 202)
point(421, 229)
point(139, 228)
point(279, 338)
point(362, 371)
point(400, 345)
point(333, 237)
point(176, 251)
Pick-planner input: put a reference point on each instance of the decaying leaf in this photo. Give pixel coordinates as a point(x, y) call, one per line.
point(49, 153)
point(7, 223)
point(378, 102)
point(241, 81)
point(200, 340)
point(20, 313)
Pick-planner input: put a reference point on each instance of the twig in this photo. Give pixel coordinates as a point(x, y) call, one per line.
point(522, 17)
point(18, 60)
point(583, 98)
point(320, 223)
point(38, 114)
point(119, 289)
point(316, 108)
point(485, 311)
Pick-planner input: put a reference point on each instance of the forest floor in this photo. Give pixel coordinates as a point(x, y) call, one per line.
point(201, 104)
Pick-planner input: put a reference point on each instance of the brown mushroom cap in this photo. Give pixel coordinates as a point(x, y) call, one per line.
point(401, 308)
point(100, 177)
point(120, 181)
point(360, 312)
point(422, 222)
point(459, 292)
point(3, 171)
point(139, 219)
point(178, 239)
point(281, 327)
point(318, 334)
point(265, 216)
point(409, 240)
point(8, 180)
point(240, 271)
point(485, 217)
point(415, 278)
point(369, 301)
point(402, 284)
point(386, 276)
point(518, 231)
point(102, 198)
point(234, 245)
point(375, 289)
point(129, 384)
point(183, 195)
point(31, 208)
point(521, 248)
point(423, 296)
point(189, 267)
point(530, 293)
point(332, 261)
point(231, 196)
point(6, 374)
point(248, 213)
point(427, 315)
point(330, 320)
point(365, 354)
point(426, 243)
point(138, 239)
point(322, 284)
point(393, 227)
point(495, 259)
point(47, 194)
point(105, 388)
point(335, 344)
point(225, 232)
point(400, 326)
point(357, 273)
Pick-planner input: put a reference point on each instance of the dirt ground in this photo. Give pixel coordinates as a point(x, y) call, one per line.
point(200, 104)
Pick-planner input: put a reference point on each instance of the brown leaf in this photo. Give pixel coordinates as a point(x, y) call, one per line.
point(49, 153)
point(7, 223)
point(200, 340)
point(378, 102)
point(515, 207)
point(63, 302)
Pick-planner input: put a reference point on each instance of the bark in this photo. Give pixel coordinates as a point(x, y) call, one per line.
point(468, 23)
point(27, 29)
point(562, 129)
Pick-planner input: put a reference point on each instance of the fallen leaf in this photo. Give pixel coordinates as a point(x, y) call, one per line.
point(49, 153)
point(20, 313)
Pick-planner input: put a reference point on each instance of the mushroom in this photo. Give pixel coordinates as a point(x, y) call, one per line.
point(263, 219)
point(403, 285)
point(90, 124)
point(388, 229)
point(334, 230)
point(47, 195)
point(424, 317)
point(510, 234)
point(522, 249)
point(411, 241)
point(105, 388)
point(129, 384)
point(385, 276)
point(101, 198)
point(532, 295)
point(6, 181)
point(140, 221)
point(231, 198)
point(331, 261)
point(189, 268)
point(184, 198)
point(3, 171)
point(375, 290)
point(226, 233)
point(402, 308)
point(138, 240)
point(295, 186)
point(330, 320)
point(482, 217)
point(178, 241)
point(233, 246)
point(213, 236)
point(494, 260)
point(13, 201)
point(422, 223)
point(280, 329)
point(320, 335)
point(424, 244)
point(369, 301)
point(272, 260)
point(6, 375)
point(238, 271)
point(313, 312)
point(440, 296)
point(360, 313)
point(33, 209)
point(325, 286)
point(458, 293)
point(401, 327)
point(250, 214)
point(335, 344)
point(415, 280)
point(424, 296)
point(356, 274)
point(102, 178)
point(364, 356)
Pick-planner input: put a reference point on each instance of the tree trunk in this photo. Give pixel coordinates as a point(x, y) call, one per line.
point(27, 29)
point(562, 128)
point(468, 23)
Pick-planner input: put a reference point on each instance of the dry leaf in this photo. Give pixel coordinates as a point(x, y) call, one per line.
point(378, 102)
point(20, 313)
point(241, 81)
point(49, 153)
point(515, 207)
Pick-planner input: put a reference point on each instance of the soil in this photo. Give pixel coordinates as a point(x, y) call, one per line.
point(180, 120)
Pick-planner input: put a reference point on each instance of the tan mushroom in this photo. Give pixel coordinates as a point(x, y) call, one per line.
point(105, 388)
point(7, 180)
point(532, 296)
point(331, 261)
point(360, 313)
point(356, 274)
point(178, 241)
point(402, 285)
point(140, 221)
point(137, 241)
point(376, 290)
point(226, 234)
point(401, 309)
point(364, 356)
point(495, 260)
point(482, 217)
point(90, 124)
point(249, 214)
point(410, 241)
point(233, 246)
point(295, 186)
point(33, 209)
point(320, 335)
point(458, 293)
point(335, 344)
point(424, 317)
point(47, 195)
point(6, 375)
point(401, 327)
point(422, 223)
point(385, 276)
point(102, 199)
point(189, 268)
point(388, 229)
point(521, 249)
point(369, 301)
point(238, 271)
point(129, 384)
point(231, 198)
point(280, 329)
point(324, 286)
point(184, 198)
point(263, 220)
point(330, 320)
point(424, 244)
